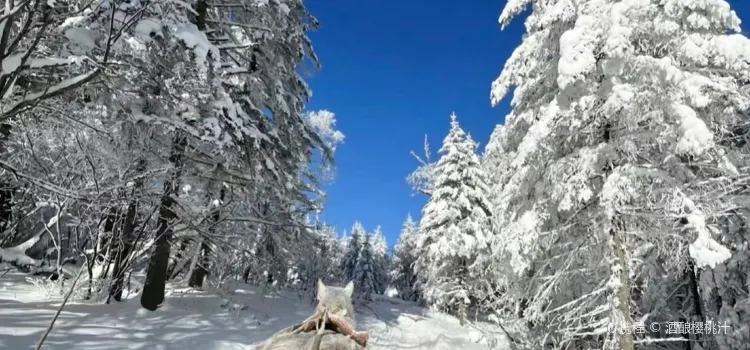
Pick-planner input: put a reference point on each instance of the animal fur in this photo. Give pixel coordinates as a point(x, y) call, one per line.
point(337, 302)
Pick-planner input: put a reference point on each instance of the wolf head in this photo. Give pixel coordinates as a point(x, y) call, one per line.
point(337, 300)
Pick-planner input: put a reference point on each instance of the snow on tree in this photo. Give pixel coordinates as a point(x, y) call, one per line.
point(455, 226)
point(363, 276)
point(380, 260)
point(422, 179)
point(197, 101)
point(615, 150)
point(42, 56)
point(402, 274)
point(321, 263)
point(323, 122)
point(353, 247)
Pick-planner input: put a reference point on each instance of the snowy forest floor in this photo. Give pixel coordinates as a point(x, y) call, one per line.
point(192, 319)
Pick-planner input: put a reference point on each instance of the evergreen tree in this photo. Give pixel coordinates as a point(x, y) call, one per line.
point(381, 260)
point(614, 165)
point(352, 252)
point(402, 273)
point(455, 225)
point(364, 272)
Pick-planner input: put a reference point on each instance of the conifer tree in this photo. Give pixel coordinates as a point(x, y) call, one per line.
point(352, 252)
point(402, 273)
point(455, 226)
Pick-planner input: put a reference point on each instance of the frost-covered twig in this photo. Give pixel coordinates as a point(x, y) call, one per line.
point(39, 182)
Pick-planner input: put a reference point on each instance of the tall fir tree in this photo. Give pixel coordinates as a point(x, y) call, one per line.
point(364, 272)
point(381, 260)
point(353, 247)
point(615, 168)
point(402, 274)
point(455, 226)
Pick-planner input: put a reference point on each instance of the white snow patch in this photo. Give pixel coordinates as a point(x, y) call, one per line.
point(148, 27)
point(241, 318)
point(197, 40)
point(696, 138)
point(82, 37)
point(705, 251)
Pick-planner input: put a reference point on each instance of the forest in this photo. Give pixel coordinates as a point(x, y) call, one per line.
point(151, 144)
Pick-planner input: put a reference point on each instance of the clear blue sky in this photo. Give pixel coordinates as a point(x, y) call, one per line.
point(394, 71)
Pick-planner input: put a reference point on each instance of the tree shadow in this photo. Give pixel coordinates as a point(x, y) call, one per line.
point(183, 323)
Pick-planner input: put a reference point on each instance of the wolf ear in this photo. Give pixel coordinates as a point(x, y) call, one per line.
point(349, 289)
point(321, 289)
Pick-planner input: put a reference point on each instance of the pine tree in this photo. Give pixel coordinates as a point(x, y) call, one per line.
point(381, 260)
point(364, 272)
point(402, 274)
point(352, 252)
point(455, 225)
point(614, 151)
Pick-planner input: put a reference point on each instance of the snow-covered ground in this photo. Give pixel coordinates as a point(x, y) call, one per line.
point(200, 320)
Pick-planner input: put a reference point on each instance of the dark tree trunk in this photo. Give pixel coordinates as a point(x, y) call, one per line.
point(246, 273)
point(6, 190)
point(697, 303)
point(201, 268)
point(156, 277)
point(124, 250)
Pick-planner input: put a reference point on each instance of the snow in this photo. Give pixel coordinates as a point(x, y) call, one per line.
point(324, 124)
point(704, 250)
point(13, 62)
point(195, 39)
point(16, 256)
point(74, 20)
point(148, 27)
point(83, 37)
point(10, 63)
point(696, 138)
point(192, 319)
point(58, 87)
point(576, 52)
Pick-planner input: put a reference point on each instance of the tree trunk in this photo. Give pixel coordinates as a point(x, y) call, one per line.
point(201, 267)
point(697, 302)
point(6, 190)
point(246, 273)
point(177, 264)
point(123, 252)
point(621, 292)
point(156, 277)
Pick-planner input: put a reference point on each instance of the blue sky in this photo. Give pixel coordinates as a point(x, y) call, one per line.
point(394, 71)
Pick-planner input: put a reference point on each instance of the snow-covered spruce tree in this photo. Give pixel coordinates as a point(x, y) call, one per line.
point(381, 260)
point(353, 247)
point(402, 274)
point(619, 112)
point(455, 226)
point(364, 275)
